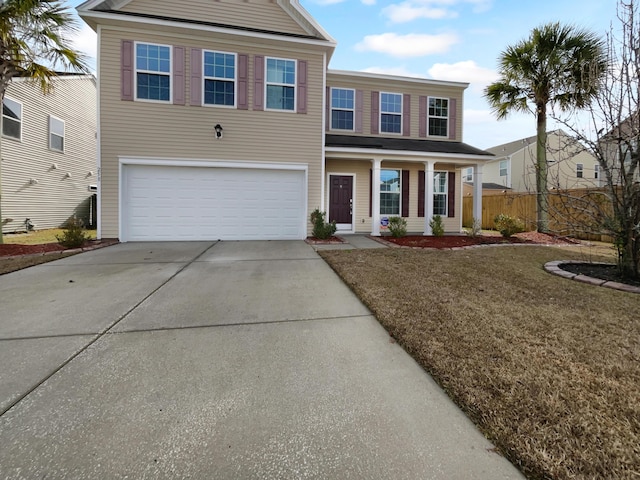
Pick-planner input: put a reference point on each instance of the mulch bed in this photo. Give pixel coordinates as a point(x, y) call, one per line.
point(601, 271)
point(13, 249)
point(458, 241)
point(326, 241)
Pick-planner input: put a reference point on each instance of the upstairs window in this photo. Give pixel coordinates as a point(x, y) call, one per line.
point(390, 192)
point(596, 171)
point(56, 134)
point(438, 116)
point(440, 193)
point(281, 84)
point(11, 118)
point(342, 108)
point(219, 79)
point(153, 72)
point(391, 113)
point(468, 175)
point(504, 167)
point(579, 170)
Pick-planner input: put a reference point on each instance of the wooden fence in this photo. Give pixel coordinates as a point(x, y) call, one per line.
point(563, 217)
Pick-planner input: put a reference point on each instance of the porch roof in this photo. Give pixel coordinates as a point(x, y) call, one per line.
point(403, 144)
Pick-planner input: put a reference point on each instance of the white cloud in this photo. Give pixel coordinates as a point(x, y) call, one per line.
point(411, 45)
point(328, 2)
point(467, 71)
point(408, 11)
point(368, 2)
point(399, 71)
point(85, 40)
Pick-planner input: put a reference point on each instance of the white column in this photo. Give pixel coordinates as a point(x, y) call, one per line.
point(477, 192)
point(375, 200)
point(428, 196)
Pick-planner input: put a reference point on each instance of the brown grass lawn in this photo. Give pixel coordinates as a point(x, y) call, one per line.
point(548, 368)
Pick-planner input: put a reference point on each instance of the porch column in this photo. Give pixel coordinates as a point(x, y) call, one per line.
point(428, 196)
point(477, 192)
point(375, 200)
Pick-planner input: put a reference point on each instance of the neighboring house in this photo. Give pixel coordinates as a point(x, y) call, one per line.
point(487, 188)
point(514, 165)
point(48, 148)
point(620, 149)
point(221, 120)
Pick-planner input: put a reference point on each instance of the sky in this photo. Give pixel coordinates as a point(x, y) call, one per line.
point(453, 40)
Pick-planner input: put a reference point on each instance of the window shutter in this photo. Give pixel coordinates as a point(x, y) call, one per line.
point(258, 82)
point(302, 86)
point(126, 70)
point(359, 111)
point(452, 118)
point(421, 176)
point(370, 192)
point(405, 193)
point(375, 112)
point(196, 77)
point(406, 116)
point(422, 114)
point(327, 111)
point(243, 87)
point(451, 195)
point(179, 85)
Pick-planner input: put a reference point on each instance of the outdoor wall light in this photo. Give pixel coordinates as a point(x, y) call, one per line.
point(218, 129)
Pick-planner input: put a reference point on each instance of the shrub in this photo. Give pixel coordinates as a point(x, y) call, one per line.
point(397, 227)
point(321, 229)
point(476, 228)
point(508, 225)
point(437, 227)
point(73, 235)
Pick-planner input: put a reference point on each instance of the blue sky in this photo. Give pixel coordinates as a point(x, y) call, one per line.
point(457, 40)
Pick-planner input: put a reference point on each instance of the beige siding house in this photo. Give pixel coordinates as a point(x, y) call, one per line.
point(49, 151)
point(227, 124)
point(514, 166)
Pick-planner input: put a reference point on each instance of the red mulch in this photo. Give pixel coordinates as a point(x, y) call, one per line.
point(457, 241)
point(11, 249)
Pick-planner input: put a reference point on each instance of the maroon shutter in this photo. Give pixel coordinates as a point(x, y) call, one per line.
point(451, 195)
point(421, 175)
point(359, 111)
point(405, 193)
point(375, 113)
point(423, 117)
point(179, 95)
point(258, 82)
point(327, 112)
point(196, 77)
point(302, 86)
point(370, 192)
point(126, 70)
point(406, 115)
point(243, 79)
point(452, 118)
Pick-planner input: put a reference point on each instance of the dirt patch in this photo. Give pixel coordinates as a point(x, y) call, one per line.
point(459, 241)
point(324, 241)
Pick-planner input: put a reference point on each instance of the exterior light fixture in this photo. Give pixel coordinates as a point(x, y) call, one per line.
point(218, 129)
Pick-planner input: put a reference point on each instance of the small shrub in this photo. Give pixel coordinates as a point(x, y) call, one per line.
point(321, 229)
point(397, 227)
point(73, 235)
point(475, 230)
point(507, 225)
point(437, 227)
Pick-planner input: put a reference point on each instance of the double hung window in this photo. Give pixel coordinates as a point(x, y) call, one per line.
point(390, 192)
point(219, 78)
point(390, 112)
point(153, 72)
point(440, 193)
point(342, 108)
point(438, 116)
point(11, 118)
point(281, 84)
point(56, 134)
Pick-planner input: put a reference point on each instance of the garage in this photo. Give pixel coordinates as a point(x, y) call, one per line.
point(205, 202)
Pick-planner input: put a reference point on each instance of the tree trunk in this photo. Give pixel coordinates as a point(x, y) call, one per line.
point(541, 170)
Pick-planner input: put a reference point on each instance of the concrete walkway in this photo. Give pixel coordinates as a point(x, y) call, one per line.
point(215, 360)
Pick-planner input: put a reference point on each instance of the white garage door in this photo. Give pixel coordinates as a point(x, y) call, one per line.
point(211, 203)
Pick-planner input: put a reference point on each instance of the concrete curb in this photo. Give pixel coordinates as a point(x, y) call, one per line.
point(555, 268)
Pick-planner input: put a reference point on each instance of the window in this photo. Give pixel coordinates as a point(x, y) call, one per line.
point(56, 134)
point(468, 175)
point(281, 81)
point(342, 108)
point(153, 72)
point(438, 116)
point(390, 192)
point(579, 170)
point(504, 166)
point(440, 193)
point(391, 112)
point(11, 118)
point(219, 79)
point(596, 171)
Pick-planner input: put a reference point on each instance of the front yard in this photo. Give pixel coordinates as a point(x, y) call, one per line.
point(548, 368)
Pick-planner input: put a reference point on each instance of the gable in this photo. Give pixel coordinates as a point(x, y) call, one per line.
point(264, 15)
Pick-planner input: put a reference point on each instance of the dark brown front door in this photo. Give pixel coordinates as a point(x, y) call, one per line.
point(341, 199)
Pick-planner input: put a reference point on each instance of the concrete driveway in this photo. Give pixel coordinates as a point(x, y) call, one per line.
point(215, 360)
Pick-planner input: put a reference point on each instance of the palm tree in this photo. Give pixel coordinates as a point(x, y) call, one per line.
point(34, 42)
point(557, 65)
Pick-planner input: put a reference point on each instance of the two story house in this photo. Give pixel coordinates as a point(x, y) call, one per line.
point(48, 149)
point(221, 120)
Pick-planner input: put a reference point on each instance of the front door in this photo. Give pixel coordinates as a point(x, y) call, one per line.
point(341, 201)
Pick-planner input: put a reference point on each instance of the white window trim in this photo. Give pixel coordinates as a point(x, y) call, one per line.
point(467, 176)
point(64, 133)
point(596, 172)
point(579, 170)
point(445, 193)
point(391, 113)
point(235, 80)
point(295, 84)
point(152, 72)
point(331, 109)
point(446, 135)
point(506, 168)
point(399, 214)
point(19, 139)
